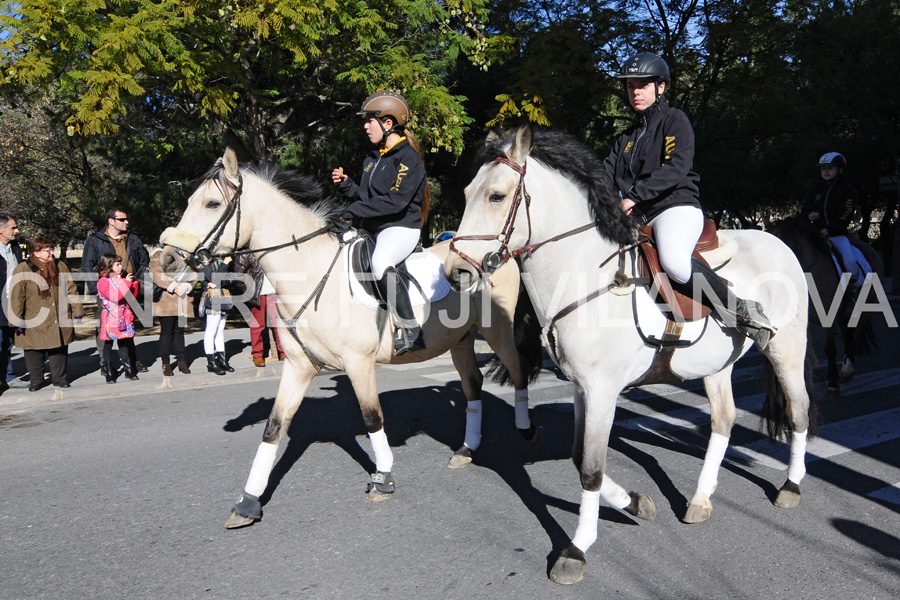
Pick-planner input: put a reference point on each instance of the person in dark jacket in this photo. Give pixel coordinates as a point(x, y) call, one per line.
point(10, 256)
point(113, 239)
point(651, 165)
point(388, 203)
point(831, 207)
point(215, 281)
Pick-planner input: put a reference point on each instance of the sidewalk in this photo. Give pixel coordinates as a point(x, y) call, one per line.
point(89, 384)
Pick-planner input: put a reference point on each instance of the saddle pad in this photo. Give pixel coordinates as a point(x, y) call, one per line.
point(426, 268)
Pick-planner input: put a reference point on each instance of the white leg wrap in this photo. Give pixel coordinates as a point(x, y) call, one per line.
point(588, 514)
point(797, 465)
point(473, 425)
point(261, 469)
point(614, 494)
point(384, 459)
point(523, 421)
point(709, 474)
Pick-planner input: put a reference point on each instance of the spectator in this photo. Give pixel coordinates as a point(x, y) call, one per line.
point(113, 239)
point(39, 308)
point(116, 317)
point(262, 307)
point(172, 305)
point(10, 256)
point(216, 304)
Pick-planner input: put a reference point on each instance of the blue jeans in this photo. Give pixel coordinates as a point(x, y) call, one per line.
point(7, 337)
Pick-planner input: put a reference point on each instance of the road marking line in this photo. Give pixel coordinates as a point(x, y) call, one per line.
point(890, 494)
point(834, 439)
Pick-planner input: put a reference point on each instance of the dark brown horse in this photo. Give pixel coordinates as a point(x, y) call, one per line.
point(831, 305)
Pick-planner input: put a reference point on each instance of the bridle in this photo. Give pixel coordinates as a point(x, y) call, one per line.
point(493, 260)
point(203, 255)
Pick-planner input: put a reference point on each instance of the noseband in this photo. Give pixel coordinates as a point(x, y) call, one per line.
point(494, 260)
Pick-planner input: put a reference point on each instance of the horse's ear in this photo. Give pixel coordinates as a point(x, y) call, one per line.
point(492, 137)
point(522, 146)
point(230, 162)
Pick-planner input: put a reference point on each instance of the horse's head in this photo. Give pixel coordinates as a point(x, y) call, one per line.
point(209, 224)
point(496, 218)
point(801, 237)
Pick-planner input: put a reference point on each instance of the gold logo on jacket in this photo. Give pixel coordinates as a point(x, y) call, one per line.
point(400, 175)
point(670, 146)
point(628, 147)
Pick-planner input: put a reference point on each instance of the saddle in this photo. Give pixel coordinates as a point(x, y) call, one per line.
point(361, 267)
point(681, 306)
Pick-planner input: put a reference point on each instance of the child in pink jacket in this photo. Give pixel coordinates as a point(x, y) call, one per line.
point(116, 317)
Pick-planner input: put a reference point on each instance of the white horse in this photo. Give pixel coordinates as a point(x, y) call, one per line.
point(284, 218)
point(542, 197)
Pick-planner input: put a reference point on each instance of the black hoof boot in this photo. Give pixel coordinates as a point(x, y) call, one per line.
point(222, 361)
point(213, 366)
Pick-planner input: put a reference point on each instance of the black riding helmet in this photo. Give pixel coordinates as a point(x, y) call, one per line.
point(645, 65)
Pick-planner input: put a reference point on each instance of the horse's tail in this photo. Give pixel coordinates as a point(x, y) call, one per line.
point(774, 412)
point(527, 332)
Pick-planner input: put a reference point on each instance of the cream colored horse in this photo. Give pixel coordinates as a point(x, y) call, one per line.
point(322, 326)
point(545, 198)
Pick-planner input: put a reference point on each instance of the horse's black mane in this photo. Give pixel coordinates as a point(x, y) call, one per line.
point(302, 189)
point(561, 152)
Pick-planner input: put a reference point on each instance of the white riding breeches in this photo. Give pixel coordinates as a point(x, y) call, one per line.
point(677, 230)
point(392, 246)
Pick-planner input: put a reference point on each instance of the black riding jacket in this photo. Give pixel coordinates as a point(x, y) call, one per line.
point(391, 191)
point(652, 161)
point(835, 201)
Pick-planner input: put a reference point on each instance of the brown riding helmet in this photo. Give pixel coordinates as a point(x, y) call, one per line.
point(386, 104)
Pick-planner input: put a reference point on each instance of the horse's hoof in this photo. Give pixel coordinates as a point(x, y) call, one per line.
point(374, 495)
point(697, 513)
point(788, 495)
point(641, 507)
point(569, 567)
point(461, 458)
point(532, 435)
point(236, 521)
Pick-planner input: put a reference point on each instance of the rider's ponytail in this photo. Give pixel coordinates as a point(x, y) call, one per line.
point(426, 201)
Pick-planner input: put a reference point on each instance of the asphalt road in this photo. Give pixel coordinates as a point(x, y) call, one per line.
point(122, 492)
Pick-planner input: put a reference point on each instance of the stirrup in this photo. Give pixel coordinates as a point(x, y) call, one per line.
point(753, 323)
point(410, 340)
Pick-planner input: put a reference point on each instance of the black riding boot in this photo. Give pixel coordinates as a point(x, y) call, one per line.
point(410, 336)
point(222, 361)
point(212, 365)
point(745, 316)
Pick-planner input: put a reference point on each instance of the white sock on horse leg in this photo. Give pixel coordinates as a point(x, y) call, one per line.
point(473, 425)
point(261, 469)
point(384, 459)
point(797, 465)
point(715, 454)
point(523, 421)
point(614, 494)
point(588, 514)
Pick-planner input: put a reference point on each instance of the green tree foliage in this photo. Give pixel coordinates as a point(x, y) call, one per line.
point(50, 183)
point(255, 69)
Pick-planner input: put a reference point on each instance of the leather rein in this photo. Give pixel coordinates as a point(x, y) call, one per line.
point(202, 255)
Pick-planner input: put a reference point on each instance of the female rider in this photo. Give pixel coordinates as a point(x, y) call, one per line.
point(651, 165)
point(388, 202)
point(831, 207)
